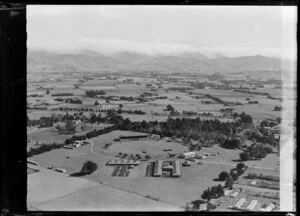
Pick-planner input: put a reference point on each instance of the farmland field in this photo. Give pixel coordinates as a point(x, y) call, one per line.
point(77, 194)
point(102, 191)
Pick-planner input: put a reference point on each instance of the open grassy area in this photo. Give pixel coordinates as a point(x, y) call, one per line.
point(52, 191)
point(152, 147)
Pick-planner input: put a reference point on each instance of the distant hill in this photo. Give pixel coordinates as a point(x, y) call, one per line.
point(247, 63)
point(88, 60)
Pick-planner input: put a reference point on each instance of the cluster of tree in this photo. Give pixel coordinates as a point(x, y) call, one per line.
point(237, 103)
point(94, 93)
point(62, 94)
point(265, 138)
point(170, 108)
point(233, 175)
point(69, 128)
point(273, 98)
point(36, 108)
point(208, 114)
point(196, 147)
point(69, 100)
point(43, 148)
point(181, 89)
point(35, 95)
point(91, 134)
point(174, 113)
point(232, 143)
point(59, 99)
point(198, 85)
point(207, 102)
point(190, 113)
point(131, 112)
point(266, 123)
point(246, 118)
point(161, 97)
point(277, 108)
point(218, 100)
point(73, 101)
point(214, 192)
point(42, 122)
point(88, 168)
point(252, 92)
point(124, 98)
point(263, 177)
point(189, 128)
point(148, 94)
point(252, 102)
point(256, 151)
point(109, 98)
point(195, 129)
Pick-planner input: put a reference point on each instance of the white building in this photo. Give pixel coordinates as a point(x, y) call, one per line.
point(239, 204)
point(251, 206)
point(200, 156)
point(188, 154)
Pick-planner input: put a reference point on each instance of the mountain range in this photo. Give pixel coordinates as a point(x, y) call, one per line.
point(89, 60)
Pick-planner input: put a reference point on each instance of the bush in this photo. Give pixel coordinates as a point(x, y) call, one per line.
point(88, 167)
point(232, 144)
point(94, 93)
point(234, 174)
point(240, 166)
point(223, 176)
point(240, 171)
point(229, 182)
point(244, 156)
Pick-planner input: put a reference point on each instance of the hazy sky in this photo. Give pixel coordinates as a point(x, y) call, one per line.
point(232, 30)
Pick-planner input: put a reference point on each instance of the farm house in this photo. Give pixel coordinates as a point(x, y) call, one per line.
point(166, 168)
point(122, 162)
point(176, 170)
point(157, 171)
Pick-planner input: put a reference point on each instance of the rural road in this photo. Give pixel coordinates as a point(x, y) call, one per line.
point(234, 165)
point(94, 153)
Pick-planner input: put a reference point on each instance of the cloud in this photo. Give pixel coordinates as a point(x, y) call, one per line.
point(113, 45)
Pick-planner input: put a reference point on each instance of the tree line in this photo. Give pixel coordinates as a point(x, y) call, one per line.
point(62, 94)
point(36, 108)
point(69, 100)
point(94, 93)
point(256, 151)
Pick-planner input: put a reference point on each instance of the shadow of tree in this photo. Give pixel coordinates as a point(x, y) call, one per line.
point(217, 180)
point(77, 174)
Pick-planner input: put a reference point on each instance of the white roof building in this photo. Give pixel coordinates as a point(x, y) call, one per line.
point(239, 204)
point(188, 154)
point(251, 206)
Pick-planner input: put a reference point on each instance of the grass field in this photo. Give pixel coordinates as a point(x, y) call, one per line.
point(152, 147)
point(52, 191)
point(48, 184)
